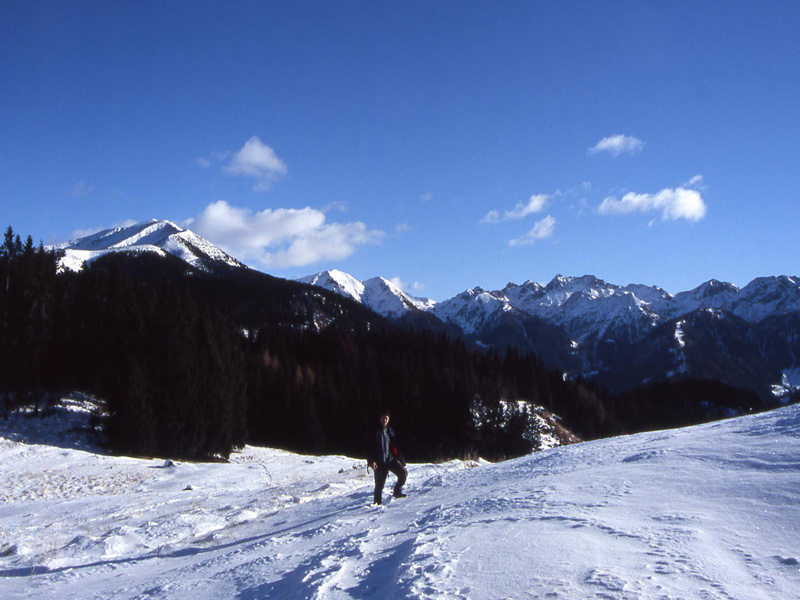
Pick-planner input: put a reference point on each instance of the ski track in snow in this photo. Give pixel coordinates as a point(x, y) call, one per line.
point(710, 512)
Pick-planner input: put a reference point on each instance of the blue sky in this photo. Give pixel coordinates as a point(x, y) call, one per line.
point(444, 144)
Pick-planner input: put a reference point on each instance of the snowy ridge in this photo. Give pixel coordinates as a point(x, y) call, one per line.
point(473, 309)
point(709, 512)
point(586, 307)
point(385, 298)
point(339, 282)
point(378, 294)
point(159, 237)
point(616, 334)
point(588, 299)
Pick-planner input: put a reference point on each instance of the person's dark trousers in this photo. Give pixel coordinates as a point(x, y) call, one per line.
point(380, 478)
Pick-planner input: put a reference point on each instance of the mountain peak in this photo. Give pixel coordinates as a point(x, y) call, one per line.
point(337, 281)
point(714, 287)
point(157, 236)
point(379, 294)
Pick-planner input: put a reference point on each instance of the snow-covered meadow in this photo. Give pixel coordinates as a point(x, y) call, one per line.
point(708, 512)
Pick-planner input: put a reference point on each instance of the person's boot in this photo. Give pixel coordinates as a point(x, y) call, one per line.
point(399, 494)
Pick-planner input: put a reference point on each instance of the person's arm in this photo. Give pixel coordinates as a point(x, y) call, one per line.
point(372, 461)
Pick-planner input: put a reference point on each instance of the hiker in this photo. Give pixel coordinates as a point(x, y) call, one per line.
point(383, 456)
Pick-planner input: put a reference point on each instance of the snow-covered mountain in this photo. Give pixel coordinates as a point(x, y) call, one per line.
point(378, 294)
point(585, 306)
point(473, 309)
point(607, 327)
point(159, 237)
point(703, 513)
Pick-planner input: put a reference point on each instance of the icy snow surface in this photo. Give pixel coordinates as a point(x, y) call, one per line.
point(710, 512)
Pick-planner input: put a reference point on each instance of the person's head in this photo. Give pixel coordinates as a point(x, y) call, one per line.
point(384, 418)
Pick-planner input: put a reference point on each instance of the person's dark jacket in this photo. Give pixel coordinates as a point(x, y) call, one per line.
point(382, 448)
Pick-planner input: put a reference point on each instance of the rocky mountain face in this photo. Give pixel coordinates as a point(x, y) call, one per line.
point(625, 337)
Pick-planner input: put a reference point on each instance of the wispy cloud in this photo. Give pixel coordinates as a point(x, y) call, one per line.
point(416, 286)
point(541, 230)
point(674, 204)
point(282, 237)
point(81, 189)
point(696, 183)
point(535, 204)
point(426, 197)
point(81, 233)
point(618, 144)
point(255, 159)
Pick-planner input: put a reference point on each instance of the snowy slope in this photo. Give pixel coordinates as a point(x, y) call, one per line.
point(710, 512)
point(159, 237)
point(337, 281)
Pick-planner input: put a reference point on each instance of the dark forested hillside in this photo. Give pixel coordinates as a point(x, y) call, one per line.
point(324, 389)
point(194, 364)
point(170, 367)
point(680, 403)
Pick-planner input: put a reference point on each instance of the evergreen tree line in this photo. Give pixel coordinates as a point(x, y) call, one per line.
point(322, 390)
point(193, 365)
point(171, 369)
point(669, 404)
point(27, 317)
point(181, 378)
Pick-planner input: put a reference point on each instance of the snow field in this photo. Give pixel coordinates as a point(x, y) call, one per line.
point(710, 512)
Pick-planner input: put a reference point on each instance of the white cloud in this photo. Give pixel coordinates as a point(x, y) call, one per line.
point(541, 230)
point(618, 144)
point(426, 197)
point(535, 204)
point(674, 204)
point(283, 237)
point(402, 227)
point(256, 159)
